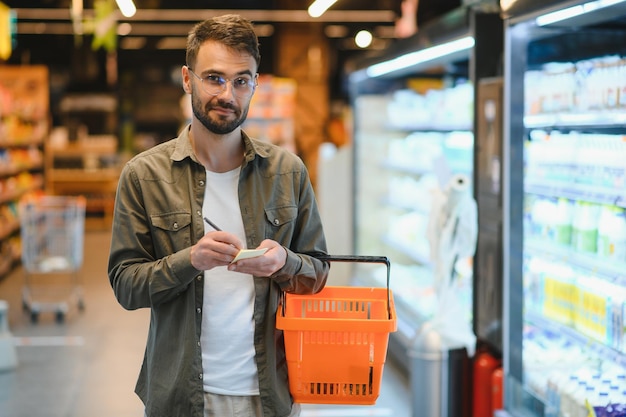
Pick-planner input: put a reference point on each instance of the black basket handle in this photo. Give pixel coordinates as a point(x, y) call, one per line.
point(365, 259)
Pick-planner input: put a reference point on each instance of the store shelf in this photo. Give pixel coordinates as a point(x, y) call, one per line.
point(603, 119)
point(573, 191)
point(24, 96)
point(594, 348)
point(610, 270)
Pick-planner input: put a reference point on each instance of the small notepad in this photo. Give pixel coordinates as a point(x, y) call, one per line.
point(249, 253)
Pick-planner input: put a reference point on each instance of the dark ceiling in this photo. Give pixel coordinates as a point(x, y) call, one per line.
point(152, 53)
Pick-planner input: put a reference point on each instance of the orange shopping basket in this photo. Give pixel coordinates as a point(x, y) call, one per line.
point(336, 340)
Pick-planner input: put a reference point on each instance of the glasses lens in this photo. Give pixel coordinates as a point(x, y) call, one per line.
point(243, 87)
point(214, 85)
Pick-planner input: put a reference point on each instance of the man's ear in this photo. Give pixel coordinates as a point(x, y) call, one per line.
point(186, 81)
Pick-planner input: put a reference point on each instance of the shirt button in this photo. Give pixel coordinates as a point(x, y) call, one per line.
point(200, 376)
point(199, 277)
point(198, 212)
point(276, 222)
point(201, 183)
point(198, 343)
point(198, 310)
point(175, 225)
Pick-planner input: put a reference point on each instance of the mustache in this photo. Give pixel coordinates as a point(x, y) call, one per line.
point(224, 104)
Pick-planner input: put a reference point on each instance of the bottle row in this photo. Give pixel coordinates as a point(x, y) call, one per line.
point(594, 307)
point(589, 85)
point(583, 226)
point(572, 382)
point(583, 159)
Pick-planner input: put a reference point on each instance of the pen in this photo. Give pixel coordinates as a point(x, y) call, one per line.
point(213, 225)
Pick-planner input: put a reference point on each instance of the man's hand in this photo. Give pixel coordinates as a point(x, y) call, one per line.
point(264, 265)
point(215, 249)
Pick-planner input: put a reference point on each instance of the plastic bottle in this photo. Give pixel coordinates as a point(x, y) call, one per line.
point(563, 221)
point(585, 227)
point(566, 395)
point(612, 233)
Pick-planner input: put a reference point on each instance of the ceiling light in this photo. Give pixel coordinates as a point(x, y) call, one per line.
point(318, 7)
point(363, 39)
point(127, 7)
point(124, 29)
point(419, 57)
point(570, 12)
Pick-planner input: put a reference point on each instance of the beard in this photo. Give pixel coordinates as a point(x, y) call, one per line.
point(220, 125)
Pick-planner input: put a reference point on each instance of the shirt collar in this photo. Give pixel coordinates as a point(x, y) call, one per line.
point(184, 150)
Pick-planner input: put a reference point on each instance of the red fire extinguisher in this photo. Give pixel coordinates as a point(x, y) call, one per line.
point(484, 365)
point(497, 389)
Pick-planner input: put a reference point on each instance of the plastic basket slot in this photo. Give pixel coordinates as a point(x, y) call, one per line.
point(339, 389)
point(338, 309)
point(338, 338)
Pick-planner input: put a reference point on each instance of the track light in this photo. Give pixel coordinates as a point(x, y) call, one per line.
point(420, 57)
point(318, 7)
point(570, 12)
point(127, 7)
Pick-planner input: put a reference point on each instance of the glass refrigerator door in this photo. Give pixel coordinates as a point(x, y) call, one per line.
point(408, 140)
point(565, 211)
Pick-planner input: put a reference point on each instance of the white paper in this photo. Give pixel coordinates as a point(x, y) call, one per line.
point(249, 253)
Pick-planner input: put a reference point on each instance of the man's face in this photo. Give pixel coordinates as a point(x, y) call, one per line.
point(221, 111)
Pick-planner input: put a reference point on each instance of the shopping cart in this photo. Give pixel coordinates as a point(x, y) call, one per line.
point(52, 232)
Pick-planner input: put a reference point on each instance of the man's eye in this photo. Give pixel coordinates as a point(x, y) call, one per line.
point(242, 82)
point(213, 79)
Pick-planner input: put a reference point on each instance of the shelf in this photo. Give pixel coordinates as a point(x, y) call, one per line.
point(601, 119)
point(408, 250)
point(611, 271)
point(16, 169)
point(24, 98)
point(16, 194)
point(411, 170)
point(447, 127)
point(82, 176)
point(573, 191)
point(594, 347)
point(98, 186)
point(11, 142)
point(8, 229)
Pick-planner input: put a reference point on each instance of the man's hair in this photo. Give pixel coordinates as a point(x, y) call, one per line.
point(231, 30)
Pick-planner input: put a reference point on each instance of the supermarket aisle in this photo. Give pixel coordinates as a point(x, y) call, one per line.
point(87, 367)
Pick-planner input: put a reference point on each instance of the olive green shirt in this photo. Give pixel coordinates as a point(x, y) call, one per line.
point(158, 217)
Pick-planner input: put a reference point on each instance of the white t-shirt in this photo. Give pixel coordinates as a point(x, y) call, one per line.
point(227, 336)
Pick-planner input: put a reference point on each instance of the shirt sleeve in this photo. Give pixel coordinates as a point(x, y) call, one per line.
point(138, 276)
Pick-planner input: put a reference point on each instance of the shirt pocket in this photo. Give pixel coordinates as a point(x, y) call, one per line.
point(172, 231)
point(281, 223)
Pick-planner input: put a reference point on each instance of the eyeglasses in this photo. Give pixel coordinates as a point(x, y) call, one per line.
point(214, 84)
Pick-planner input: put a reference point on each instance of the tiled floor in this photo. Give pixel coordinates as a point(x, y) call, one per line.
point(87, 366)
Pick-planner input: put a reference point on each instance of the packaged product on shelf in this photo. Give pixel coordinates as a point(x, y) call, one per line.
point(563, 221)
point(585, 227)
point(544, 217)
point(612, 233)
point(559, 282)
point(533, 285)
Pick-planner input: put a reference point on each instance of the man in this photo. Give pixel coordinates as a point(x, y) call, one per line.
point(212, 348)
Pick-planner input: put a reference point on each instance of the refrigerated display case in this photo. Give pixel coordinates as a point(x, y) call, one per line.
point(564, 208)
point(413, 111)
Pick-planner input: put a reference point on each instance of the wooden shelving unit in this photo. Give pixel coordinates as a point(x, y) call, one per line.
point(24, 125)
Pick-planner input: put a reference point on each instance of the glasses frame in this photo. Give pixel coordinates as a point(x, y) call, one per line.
point(255, 83)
